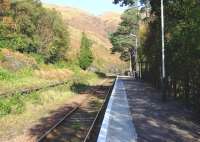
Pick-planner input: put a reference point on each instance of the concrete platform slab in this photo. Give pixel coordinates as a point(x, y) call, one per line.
point(117, 124)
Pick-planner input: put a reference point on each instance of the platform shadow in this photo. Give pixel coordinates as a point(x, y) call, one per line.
point(156, 121)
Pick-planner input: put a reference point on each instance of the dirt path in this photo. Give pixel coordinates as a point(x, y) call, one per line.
point(156, 121)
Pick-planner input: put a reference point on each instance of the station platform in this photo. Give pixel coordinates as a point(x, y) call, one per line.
point(118, 125)
point(136, 113)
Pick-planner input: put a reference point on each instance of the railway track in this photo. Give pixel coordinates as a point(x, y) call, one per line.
point(77, 125)
point(35, 89)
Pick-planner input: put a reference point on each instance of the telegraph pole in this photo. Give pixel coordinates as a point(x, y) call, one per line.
point(163, 53)
point(130, 65)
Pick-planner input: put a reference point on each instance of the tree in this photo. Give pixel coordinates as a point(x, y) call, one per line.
point(182, 32)
point(122, 40)
point(182, 48)
point(130, 2)
point(86, 57)
point(38, 30)
point(125, 2)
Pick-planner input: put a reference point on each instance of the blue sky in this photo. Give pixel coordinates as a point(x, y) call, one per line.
point(95, 7)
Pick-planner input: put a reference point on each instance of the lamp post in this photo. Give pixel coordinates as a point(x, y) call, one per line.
point(136, 46)
point(130, 65)
point(163, 52)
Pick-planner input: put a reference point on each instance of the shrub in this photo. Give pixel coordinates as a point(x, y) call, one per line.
point(5, 109)
point(16, 103)
point(5, 75)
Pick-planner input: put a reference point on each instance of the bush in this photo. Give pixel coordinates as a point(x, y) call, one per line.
point(16, 103)
point(5, 75)
point(5, 109)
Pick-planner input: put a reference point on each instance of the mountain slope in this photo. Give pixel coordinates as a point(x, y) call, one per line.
point(111, 21)
point(96, 28)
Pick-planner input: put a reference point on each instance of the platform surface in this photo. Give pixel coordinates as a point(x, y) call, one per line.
point(137, 113)
point(158, 121)
point(118, 125)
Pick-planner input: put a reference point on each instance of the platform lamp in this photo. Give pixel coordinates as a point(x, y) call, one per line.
point(163, 53)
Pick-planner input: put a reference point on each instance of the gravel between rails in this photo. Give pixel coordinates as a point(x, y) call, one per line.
point(75, 125)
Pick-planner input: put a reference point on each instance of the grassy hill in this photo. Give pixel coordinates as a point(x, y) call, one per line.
point(96, 28)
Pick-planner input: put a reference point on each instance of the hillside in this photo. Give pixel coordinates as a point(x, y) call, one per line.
point(111, 20)
point(34, 73)
point(97, 29)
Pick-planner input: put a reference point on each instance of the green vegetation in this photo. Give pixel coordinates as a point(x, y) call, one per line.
point(6, 75)
point(34, 47)
point(76, 125)
point(182, 44)
point(122, 40)
point(24, 78)
point(182, 48)
point(18, 103)
point(14, 105)
point(34, 29)
point(129, 2)
point(125, 2)
point(34, 43)
point(86, 57)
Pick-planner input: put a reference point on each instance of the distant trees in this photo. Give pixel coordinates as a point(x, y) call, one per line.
point(86, 57)
point(38, 30)
point(125, 2)
point(130, 2)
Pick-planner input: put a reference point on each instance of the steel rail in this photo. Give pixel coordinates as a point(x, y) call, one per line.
point(58, 123)
point(28, 91)
point(65, 117)
point(104, 105)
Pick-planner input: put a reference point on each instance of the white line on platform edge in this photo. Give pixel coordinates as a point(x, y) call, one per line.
point(104, 128)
